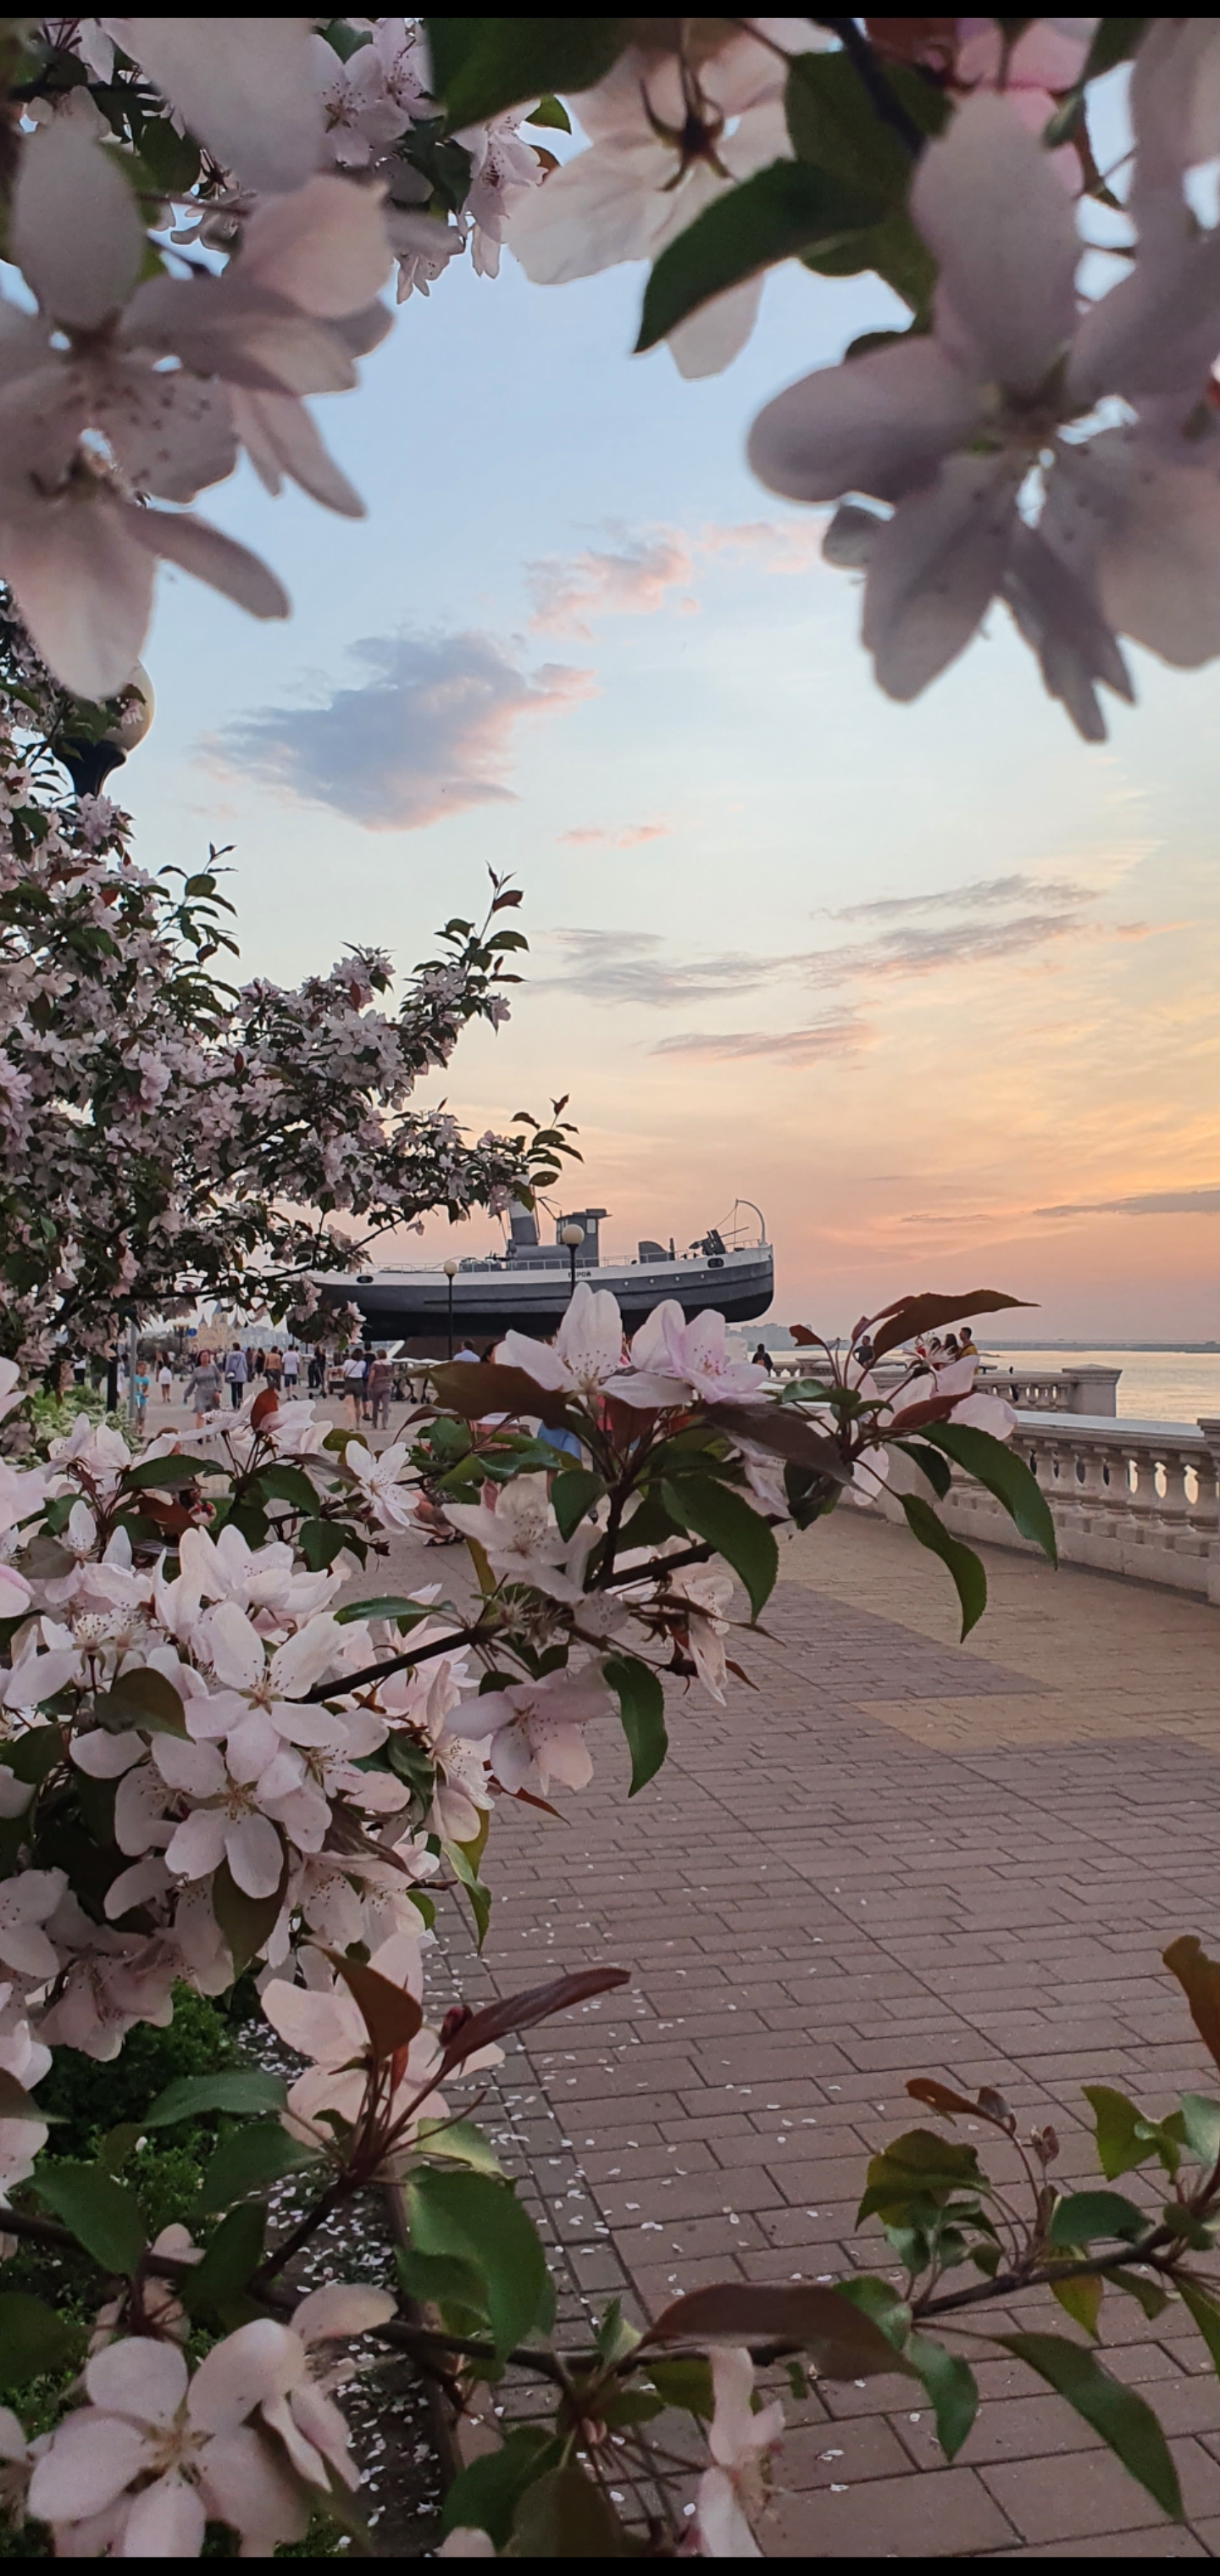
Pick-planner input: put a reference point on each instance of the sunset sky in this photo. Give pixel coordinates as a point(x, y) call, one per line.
point(934, 985)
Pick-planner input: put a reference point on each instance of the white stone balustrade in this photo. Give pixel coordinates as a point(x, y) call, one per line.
point(1086, 1389)
point(1134, 1498)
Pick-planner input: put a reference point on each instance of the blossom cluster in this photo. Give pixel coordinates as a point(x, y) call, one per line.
point(163, 1136)
point(204, 215)
point(265, 1772)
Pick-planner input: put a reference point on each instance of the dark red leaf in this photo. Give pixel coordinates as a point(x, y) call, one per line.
point(801, 1333)
point(476, 1387)
point(913, 1315)
point(391, 2015)
point(935, 1408)
point(538, 2003)
point(267, 1402)
point(845, 2343)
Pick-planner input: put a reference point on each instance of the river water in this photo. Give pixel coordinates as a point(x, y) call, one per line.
point(1156, 1386)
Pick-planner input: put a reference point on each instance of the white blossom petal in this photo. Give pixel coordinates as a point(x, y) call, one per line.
point(202, 550)
point(76, 229)
point(877, 424)
point(988, 203)
point(143, 2380)
point(90, 2459)
point(934, 569)
point(166, 2521)
point(245, 86)
point(84, 590)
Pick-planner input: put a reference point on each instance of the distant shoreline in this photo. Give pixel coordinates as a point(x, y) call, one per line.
point(1184, 1350)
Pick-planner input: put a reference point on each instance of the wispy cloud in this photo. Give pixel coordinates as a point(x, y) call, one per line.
point(631, 578)
point(839, 1033)
point(425, 731)
point(632, 966)
point(910, 950)
point(1202, 1202)
point(983, 894)
point(630, 836)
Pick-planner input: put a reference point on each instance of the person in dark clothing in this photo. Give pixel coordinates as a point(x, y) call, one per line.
point(762, 1358)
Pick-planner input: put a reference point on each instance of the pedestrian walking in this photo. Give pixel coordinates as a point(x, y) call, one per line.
point(353, 1383)
point(316, 1374)
point(292, 1371)
point(235, 1376)
point(204, 1389)
point(141, 1386)
point(275, 1369)
point(165, 1379)
point(379, 1387)
point(762, 1358)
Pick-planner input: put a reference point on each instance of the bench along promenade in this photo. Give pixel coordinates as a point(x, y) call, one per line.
point(895, 1856)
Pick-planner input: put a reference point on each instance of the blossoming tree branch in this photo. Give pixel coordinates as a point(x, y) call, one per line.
point(205, 213)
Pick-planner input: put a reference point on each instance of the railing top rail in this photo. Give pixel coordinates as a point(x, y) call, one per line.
point(1127, 1431)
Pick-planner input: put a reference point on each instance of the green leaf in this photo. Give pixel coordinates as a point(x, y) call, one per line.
point(1083, 2215)
point(32, 1755)
point(15, 2102)
point(480, 1896)
point(1147, 2294)
point(1081, 2300)
point(563, 2515)
point(918, 2165)
point(937, 1469)
point(737, 1532)
point(118, 2144)
point(776, 215)
point(33, 2339)
point(231, 2257)
point(614, 2337)
point(103, 2215)
point(950, 2385)
point(460, 2142)
point(1205, 2311)
point(686, 2384)
point(1004, 1474)
point(232, 2088)
point(143, 1698)
point(964, 1566)
point(320, 1542)
point(166, 1474)
point(1120, 2147)
point(441, 2280)
point(484, 2495)
point(285, 1484)
point(246, 1921)
point(1201, 2121)
point(481, 65)
point(386, 1605)
point(833, 123)
point(641, 1701)
point(574, 1492)
point(550, 111)
point(250, 2160)
point(1122, 2418)
point(471, 2215)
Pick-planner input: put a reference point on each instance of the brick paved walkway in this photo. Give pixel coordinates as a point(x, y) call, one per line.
point(898, 1856)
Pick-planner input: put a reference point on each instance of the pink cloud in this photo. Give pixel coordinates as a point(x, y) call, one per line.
point(629, 837)
point(629, 579)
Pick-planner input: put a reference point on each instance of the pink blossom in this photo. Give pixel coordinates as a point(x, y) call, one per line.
point(537, 1730)
point(741, 2443)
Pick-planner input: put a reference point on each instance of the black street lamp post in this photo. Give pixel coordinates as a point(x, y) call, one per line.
point(573, 1236)
point(450, 1269)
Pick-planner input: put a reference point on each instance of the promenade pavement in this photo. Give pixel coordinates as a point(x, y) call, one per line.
point(894, 1856)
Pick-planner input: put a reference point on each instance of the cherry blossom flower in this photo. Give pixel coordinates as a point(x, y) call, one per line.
point(948, 428)
point(663, 145)
point(256, 1780)
point(283, 321)
point(156, 2453)
point(26, 1904)
point(695, 1354)
point(740, 2443)
point(272, 1685)
point(586, 1356)
point(521, 1538)
point(537, 1730)
point(378, 1480)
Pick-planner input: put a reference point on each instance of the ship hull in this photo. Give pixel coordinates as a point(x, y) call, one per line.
point(490, 1299)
